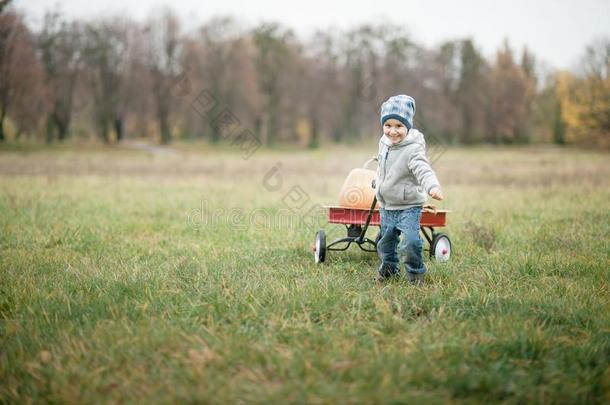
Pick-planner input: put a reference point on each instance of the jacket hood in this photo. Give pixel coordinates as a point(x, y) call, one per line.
point(413, 136)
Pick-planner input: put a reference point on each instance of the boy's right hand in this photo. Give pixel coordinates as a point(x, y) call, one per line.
point(436, 193)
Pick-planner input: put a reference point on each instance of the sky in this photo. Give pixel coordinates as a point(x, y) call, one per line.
point(557, 31)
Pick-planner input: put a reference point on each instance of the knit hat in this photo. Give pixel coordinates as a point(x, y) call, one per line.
point(401, 107)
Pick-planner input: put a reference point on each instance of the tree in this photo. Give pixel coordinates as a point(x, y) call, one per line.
point(528, 67)
point(448, 62)
point(60, 46)
point(10, 27)
point(319, 87)
point(359, 59)
point(463, 81)
point(508, 94)
point(585, 98)
point(399, 49)
point(471, 96)
point(163, 59)
point(4, 4)
point(547, 120)
point(271, 45)
point(593, 92)
point(21, 86)
point(220, 45)
point(106, 52)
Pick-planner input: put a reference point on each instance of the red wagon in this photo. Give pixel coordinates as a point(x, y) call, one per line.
point(357, 222)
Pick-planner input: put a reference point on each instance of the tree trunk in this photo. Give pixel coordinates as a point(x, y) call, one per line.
point(62, 130)
point(214, 133)
point(466, 130)
point(118, 129)
point(314, 140)
point(258, 127)
point(50, 129)
point(2, 134)
point(272, 120)
point(337, 135)
point(558, 127)
point(166, 136)
point(104, 132)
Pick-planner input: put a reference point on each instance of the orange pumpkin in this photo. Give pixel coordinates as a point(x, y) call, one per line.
point(357, 191)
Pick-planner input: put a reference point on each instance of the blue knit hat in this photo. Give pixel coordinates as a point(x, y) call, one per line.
point(401, 107)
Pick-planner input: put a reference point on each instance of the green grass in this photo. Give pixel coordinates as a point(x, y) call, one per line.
point(115, 284)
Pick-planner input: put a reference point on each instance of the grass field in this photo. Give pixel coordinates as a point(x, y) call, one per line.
point(135, 276)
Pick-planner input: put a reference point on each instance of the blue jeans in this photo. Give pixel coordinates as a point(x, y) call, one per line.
point(394, 223)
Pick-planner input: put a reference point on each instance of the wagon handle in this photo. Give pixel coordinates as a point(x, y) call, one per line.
point(368, 162)
point(430, 208)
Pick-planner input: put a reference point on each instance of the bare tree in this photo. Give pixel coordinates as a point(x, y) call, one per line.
point(21, 87)
point(595, 95)
point(106, 53)
point(220, 43)
point(29, 102)
point(10, 26)
point(319, 85)
point(60, 48)
point(4, 4)
point(163, 60)
point(471, 92)
point(21, 92)
point(359, 57)
point(267, 80)
point(506, 108)
point(271, 44)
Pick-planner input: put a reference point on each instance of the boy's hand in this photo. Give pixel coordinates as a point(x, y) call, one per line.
point(436, 193)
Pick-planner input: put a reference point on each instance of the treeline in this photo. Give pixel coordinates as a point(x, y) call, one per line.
point(114, 78)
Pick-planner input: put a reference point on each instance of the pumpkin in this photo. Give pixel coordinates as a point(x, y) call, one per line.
point(357, 190)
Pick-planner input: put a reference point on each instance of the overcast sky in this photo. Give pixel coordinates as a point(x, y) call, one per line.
point(557, 31)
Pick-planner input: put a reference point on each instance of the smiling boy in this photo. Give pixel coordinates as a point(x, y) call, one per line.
point(404, 178)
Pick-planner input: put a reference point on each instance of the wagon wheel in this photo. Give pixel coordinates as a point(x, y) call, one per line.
point(440, 249)
point(319, 247)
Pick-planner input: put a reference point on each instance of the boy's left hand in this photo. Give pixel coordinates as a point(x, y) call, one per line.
point(436, 193)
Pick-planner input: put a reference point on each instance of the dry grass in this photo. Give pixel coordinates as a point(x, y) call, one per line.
point(128, 276)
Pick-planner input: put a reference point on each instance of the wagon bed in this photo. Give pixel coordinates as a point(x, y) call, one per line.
point(357, 216)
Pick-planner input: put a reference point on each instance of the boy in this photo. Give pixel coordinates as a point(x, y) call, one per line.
point(404, 177)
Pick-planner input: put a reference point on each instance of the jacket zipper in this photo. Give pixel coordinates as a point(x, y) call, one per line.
point(385, 160)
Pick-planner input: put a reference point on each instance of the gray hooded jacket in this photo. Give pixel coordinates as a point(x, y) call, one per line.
point(404, 176)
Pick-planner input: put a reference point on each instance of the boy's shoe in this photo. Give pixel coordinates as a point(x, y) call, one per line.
point(386, 272)
point(380, 279)
point(416, 278)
